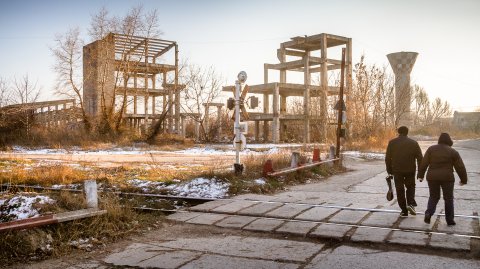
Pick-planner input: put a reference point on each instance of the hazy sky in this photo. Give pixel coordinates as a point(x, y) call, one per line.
point(242, 35)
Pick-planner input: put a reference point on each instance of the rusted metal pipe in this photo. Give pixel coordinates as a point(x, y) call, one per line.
point(288, 170)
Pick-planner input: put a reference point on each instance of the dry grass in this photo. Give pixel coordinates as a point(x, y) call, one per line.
point(55, 240)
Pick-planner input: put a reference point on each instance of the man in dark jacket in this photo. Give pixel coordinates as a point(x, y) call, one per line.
point(402, 152)
point(440, 160)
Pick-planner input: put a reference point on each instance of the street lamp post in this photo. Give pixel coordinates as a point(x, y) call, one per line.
point(241, 79)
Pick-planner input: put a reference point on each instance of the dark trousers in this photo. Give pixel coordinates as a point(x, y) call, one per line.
point(405, 181)
point(447, 189)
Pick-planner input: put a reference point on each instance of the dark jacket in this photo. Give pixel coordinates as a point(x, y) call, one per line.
point(440, 160)
point(402, 152)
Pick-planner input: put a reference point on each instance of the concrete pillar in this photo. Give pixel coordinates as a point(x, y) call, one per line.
point(91, 196)
point(177, 92)
point(219, 121)
point(306, 98)
point(295, 159)
point(323, 93)
point(257, 131)
point(206, 120)
point(276, 114)
point(266, 104)
point(402, 65)
point(184, 126)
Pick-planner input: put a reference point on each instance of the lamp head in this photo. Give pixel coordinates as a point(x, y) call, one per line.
point(242, 76)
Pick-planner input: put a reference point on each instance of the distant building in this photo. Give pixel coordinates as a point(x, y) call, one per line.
point(467, 120)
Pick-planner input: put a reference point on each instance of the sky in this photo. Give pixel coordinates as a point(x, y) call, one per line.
point(243, 35)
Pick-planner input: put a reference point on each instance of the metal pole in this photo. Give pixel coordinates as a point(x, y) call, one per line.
point(238, 140)
point(340, 107)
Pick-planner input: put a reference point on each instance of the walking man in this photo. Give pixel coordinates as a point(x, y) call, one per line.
point(402, 153)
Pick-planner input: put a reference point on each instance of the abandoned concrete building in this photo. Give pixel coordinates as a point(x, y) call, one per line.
point(307, 55)
point(467, 120)
point(121, 68)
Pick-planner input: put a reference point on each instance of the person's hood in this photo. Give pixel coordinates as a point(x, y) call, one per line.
point(445, 139)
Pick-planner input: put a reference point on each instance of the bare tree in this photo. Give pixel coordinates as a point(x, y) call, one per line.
point(25, 92)
point(203, 85)
point(68, 55)
point(4, 92)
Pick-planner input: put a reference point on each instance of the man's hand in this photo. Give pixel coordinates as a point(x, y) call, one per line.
point(420, 179)
point(461, 183)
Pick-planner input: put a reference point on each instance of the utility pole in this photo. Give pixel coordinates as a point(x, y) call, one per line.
point(341, 104)
point(241, 79)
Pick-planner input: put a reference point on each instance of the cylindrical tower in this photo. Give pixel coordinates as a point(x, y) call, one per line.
point(402, 65)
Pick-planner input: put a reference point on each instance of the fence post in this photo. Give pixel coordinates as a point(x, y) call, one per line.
point(295, 159)
point(91, 196)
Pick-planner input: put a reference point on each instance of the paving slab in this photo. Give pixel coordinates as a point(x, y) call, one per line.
point(317, 213)
point(349, 216)
point(346, 257)
point(416, 223)
point(450, 242)
point(235, 221)
point(208, 261)
point(296, 227)
point(148, 256)
point(233, 207)
point(264, 225)
point(287, 211)
point(409, 238)
point(183, 216)
point(260, 209)
point(205, 207)
point(330, 231)
point(207, 218)
point(381, 219)
point(374, 235)
point(169, 259)
point(463, 226)
point(249, 247)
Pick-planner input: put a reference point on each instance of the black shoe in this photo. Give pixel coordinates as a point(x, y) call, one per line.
point(404, 214)
point(411, 209)
point(427, 218)
point(451, 223)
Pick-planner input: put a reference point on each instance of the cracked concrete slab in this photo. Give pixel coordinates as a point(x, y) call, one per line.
point(409, 238)
point(235, 221)
point(296, 228)
point(264, 225)
point(207, 218)
point(349, 216)
point(249, 247)
point(221, 262)
point(260, 209)
point(450, 242)
point(317, 213)
point(416, 223)
point(233, 207)
point(380, 219)
point(330, 231)
point(373, 235)
point(287, 211)
point(183, 216)
point(205, 207)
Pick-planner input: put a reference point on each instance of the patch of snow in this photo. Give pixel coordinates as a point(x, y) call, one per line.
point(66, 186)
point(260, 181)
point(201, 187)
point(365, 155)
point(146, 185)
point(22, 207)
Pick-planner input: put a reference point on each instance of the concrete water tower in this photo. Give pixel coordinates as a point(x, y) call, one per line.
point(402, 65)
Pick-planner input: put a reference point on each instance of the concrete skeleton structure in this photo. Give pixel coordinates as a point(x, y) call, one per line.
point(207, 116)
point(402, 65)
point(130, 67)
point(296, 55)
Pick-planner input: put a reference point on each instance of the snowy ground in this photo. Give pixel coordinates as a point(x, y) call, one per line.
point(364, 155)
point(21, 207)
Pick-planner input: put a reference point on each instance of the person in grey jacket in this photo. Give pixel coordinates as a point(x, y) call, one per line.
point(402, 158)
point(440, 160)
